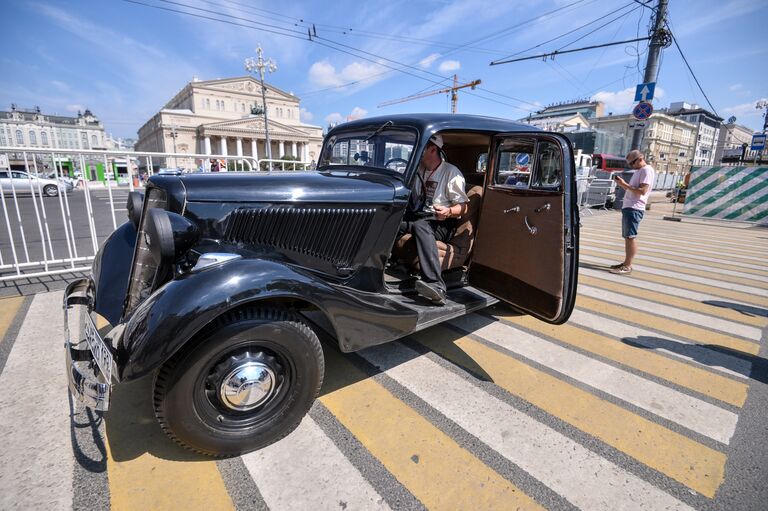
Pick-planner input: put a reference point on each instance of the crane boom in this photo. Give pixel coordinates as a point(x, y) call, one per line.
point(452, 90)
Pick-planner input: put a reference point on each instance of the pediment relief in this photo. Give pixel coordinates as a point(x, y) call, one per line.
point(254, 124)
point(249, 86)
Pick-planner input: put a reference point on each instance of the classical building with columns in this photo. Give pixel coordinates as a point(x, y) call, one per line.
point(214, 117)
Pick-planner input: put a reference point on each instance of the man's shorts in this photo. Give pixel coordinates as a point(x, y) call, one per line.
point(630, 220)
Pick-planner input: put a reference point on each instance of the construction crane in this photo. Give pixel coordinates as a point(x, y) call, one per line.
point(453, 91)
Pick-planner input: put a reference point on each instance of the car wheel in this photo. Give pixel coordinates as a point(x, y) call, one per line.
point(247, 381)
point(51, 190)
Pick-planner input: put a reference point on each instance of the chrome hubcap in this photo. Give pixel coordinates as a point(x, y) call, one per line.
point(247, 386)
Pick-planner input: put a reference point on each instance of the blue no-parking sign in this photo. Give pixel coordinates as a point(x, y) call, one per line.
point(523, 158)
point(642, 111)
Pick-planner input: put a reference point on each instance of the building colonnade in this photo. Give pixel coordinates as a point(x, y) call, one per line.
point(296, 149)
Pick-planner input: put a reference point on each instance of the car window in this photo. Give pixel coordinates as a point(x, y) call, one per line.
point(3, 174)
point(548, 165)
point(19, 175)
point(390, 148)
point(514, 162)
point(524, 163)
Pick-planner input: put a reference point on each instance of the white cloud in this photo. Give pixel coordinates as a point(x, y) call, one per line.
point(60, 85)
point(337, 118)
point(357, 113)
point(621, 102)
point(334, 118)
point(448, 66)
point(744, 109)
point(430, 59)
point(735, 87)
point(305, 115)
point(75, 108)
point(324, 74)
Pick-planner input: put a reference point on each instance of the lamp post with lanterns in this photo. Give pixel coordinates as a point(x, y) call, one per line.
point(259, 64)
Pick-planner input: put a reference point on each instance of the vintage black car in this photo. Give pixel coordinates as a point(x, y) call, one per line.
point(220, 283)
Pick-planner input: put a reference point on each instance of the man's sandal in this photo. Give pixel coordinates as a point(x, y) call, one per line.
point(621, 270)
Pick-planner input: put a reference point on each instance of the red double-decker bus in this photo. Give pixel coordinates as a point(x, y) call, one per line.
point(609, 163)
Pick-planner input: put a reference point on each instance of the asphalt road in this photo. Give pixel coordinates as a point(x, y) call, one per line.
point(652, 396)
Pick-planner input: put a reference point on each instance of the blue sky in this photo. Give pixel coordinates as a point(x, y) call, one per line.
point(125, 61)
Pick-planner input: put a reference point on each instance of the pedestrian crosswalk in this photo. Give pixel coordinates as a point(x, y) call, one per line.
point(637, 402)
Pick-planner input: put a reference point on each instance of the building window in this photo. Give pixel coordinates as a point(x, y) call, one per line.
point(32, 138)
point(2, 136)
point(84, 140)
point(207, 104)
point(44, 138)
point(19, 137)
point(94, 141)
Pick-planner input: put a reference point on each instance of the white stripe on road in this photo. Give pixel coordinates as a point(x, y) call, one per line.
point(306, 470)
point(37, 464)
point(654, 286)
point(593, 241)
point(721, 271)
point(692, 413)
point(680, 348)
point(695, 318)
point(579, 475)
point(674, 275)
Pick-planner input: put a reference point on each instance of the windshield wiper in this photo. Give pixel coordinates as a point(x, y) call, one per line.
point(380, 129)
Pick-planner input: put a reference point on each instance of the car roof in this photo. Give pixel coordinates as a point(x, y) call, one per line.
point(432, 123)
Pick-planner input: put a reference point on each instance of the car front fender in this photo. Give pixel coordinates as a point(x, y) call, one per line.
point(177, 311)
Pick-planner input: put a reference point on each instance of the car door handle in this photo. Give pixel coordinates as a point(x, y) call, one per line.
point(545, 207)
point(516, 209)
point(532, 230)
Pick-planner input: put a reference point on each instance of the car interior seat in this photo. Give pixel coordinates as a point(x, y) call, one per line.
point(455, 252)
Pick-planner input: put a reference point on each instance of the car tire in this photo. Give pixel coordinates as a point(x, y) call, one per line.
point(51, 190)
point(269, 350)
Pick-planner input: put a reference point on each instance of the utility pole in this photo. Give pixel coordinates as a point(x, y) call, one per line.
point(260, 64)
point(659, 39)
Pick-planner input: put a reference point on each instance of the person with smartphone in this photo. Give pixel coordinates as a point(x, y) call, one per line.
point(636, 196)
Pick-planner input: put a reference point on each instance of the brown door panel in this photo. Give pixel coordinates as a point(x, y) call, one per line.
point(513, 264)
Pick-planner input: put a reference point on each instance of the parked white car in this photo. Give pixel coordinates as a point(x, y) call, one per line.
point(24, 183)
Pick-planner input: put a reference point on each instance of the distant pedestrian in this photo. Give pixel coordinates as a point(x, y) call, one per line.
point(636, 196)
point(215, 165)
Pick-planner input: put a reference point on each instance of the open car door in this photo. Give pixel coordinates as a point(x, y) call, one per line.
point(526, 247)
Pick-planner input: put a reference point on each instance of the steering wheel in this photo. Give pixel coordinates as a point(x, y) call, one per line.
point(398, 160)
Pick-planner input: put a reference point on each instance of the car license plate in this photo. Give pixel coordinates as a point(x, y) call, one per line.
point(99, 349)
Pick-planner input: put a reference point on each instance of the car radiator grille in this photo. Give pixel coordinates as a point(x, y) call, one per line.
point(329, 234)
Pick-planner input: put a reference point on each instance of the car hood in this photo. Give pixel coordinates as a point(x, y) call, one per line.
point(288, 186)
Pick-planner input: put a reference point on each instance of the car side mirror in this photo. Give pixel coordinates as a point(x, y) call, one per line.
point(134, 207)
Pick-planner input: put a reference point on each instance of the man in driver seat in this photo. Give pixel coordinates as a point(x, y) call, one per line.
point(437, 200)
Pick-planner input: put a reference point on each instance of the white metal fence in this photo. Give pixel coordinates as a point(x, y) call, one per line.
point(43, 233)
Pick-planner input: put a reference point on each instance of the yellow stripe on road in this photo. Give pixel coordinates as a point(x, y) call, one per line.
point(695, 465)
point(683, 270)
point(675, 301)
point(9, 307)
point(146, 470)
point(433, 467)
point(692, 333)
point(690, 377)
point(660, 253)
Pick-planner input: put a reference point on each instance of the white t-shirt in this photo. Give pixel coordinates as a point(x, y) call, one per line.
point(445, 186)
point(635, 200)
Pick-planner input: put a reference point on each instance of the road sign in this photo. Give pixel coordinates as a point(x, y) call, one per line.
point(758, 142)
point(523, 158)
point(637, 125)
point(644, 91)
point(642, 111)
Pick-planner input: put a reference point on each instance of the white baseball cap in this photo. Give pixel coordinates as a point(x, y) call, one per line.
point(437, 140)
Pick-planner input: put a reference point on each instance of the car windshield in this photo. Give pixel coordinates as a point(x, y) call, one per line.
point(382, 147)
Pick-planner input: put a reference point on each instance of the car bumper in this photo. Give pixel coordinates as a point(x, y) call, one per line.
point(87, 383)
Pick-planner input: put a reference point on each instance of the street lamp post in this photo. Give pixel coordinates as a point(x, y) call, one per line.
point(251, 65)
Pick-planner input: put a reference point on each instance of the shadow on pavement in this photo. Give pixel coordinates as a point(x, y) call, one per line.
point(747, 310)
point(707, 354)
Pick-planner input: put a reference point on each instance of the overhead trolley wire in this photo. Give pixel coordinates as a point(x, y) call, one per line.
point(317, 40)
